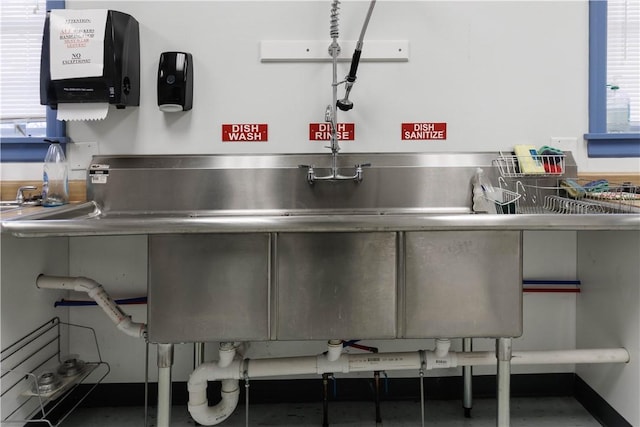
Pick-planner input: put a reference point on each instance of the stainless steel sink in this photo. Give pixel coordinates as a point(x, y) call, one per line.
point(245, 248)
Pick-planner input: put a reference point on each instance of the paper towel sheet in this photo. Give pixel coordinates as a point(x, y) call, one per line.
point(83, 111)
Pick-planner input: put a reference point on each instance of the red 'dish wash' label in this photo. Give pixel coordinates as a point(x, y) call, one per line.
point(424, 131)
point(322, 131)
point(245, 132)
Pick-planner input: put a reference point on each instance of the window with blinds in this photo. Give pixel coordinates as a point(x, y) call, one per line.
point(623, 51)
point(21, 26)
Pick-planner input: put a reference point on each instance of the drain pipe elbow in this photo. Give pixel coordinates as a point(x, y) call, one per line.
point(207, 415)
point(131, 328)
point(96, 292)
point(78, 284)
point(198, 405)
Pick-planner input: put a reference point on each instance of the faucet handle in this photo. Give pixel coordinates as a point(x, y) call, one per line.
point(311, 174)
point(358, 175)
point(21, 190)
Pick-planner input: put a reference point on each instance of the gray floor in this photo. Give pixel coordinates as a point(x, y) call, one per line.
point(529, 412)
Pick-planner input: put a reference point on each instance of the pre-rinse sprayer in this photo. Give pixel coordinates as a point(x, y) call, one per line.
point(343, 104)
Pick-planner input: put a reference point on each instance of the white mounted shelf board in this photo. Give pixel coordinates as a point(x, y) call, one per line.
point(318, 50)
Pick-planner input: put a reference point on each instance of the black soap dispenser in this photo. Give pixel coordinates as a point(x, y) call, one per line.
point(175, 82)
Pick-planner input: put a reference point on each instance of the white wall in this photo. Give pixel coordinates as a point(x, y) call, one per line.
point(608, 315)
point(498, 73)
point(23, 306)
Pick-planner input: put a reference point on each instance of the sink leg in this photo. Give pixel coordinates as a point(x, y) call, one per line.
point(325, 400)
point(165, 361)
point(376, 380)
point(198, 354)
point(503, 354)
point(467, 379)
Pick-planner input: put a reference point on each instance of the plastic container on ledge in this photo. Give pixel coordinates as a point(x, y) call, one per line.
point(55, 181)
point(617, 110)
point(481, 187)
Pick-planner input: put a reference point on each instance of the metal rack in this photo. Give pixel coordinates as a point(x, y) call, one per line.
point(533, 197)
point(39, 384)
point(550, 165)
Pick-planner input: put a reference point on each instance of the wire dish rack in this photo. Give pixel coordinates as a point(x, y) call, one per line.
point(41, 385)
point(567, 196)
point(544, 165)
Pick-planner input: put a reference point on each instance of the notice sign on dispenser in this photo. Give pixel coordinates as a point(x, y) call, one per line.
point(245, 132)
point(424, 131)
point(322, 131)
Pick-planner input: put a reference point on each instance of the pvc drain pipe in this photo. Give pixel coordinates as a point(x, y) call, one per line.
point(100, 296)
point(165, 363)
point(334, 350)
point(259, 368)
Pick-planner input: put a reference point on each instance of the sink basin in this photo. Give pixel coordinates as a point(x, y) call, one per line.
point(66, 212)
point(8, 207)
point(91, 210)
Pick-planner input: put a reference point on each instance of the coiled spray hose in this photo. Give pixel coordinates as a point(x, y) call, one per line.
point(333, 29)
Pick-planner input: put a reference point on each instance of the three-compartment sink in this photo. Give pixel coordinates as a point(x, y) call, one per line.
point(245, 248)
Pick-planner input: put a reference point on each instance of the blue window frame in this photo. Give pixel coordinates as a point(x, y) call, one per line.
point(599, 142)
point(33, 149)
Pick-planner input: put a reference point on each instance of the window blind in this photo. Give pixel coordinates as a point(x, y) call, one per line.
point(623, 51)
point(22, 22)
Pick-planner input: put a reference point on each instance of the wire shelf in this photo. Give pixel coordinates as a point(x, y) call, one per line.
point(39, 384)
point(543, 165)
point(571, 196)
point(503, 201)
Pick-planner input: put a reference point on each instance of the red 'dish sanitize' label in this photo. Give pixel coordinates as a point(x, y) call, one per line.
point(424, 131)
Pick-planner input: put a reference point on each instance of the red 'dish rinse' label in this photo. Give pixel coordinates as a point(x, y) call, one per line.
point(245, 132)
point(322, 131)
point(424, 131)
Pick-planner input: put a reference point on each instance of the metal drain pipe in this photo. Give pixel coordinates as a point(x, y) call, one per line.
point(304, 365)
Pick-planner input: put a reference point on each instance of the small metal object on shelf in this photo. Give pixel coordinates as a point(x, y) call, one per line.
point(47, 382)
point(71, 367)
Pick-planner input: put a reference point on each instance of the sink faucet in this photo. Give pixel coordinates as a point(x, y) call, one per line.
point(330, 115)
point(20, 193)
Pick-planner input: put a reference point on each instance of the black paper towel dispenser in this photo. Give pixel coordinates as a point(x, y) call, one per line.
point(119, 83)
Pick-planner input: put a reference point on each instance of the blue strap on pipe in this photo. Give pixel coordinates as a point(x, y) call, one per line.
point(551, 282)
point(124, 301)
